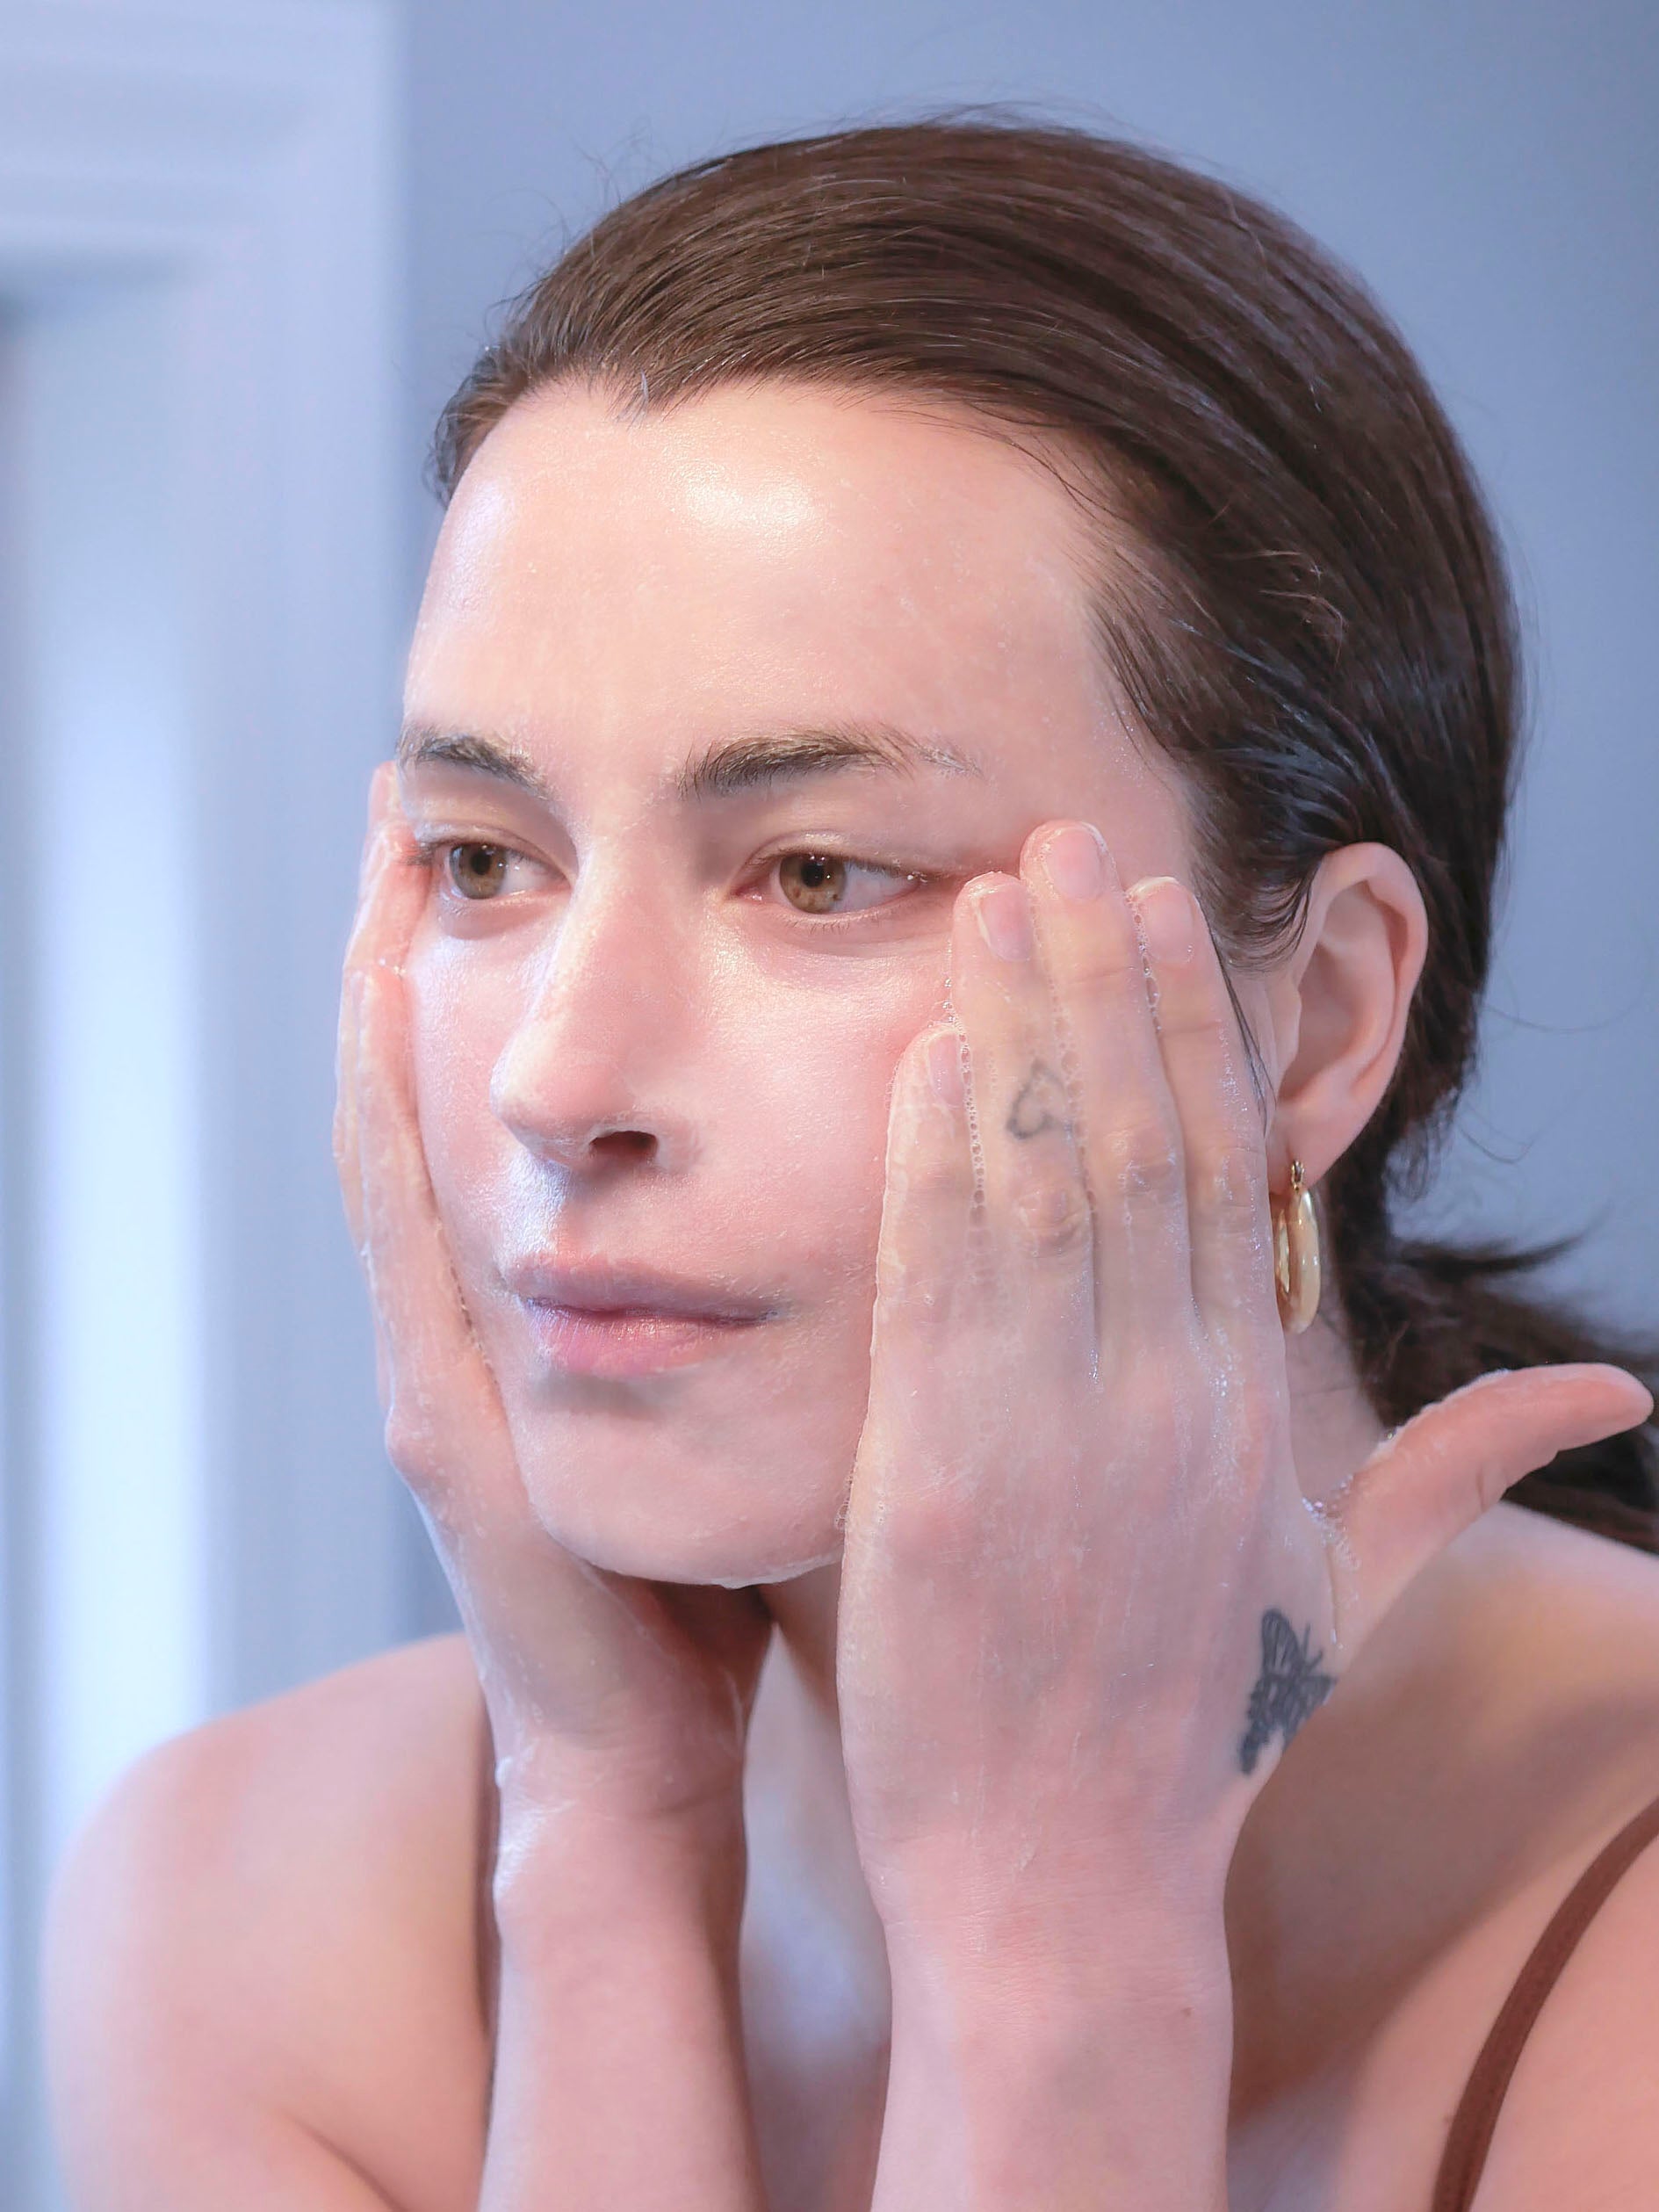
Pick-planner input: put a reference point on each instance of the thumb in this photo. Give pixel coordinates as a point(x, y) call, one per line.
point(1424, 1486)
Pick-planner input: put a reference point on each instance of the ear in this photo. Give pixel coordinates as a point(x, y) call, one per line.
point(1340, 1006)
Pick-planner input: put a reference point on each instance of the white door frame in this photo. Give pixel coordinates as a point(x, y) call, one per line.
point(197, 247)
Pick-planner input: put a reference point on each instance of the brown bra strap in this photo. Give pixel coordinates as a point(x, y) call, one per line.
point(1476, 2116)
point(487, 1942)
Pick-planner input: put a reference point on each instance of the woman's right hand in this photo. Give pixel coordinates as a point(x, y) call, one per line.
point(619, 1708)
point(634, 1695)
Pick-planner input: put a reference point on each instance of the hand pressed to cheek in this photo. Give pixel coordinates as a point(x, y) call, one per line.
point(1082, 1593)
point(1066, 1485)
point(593, 1683)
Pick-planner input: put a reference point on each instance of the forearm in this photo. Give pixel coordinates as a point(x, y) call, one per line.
point(619, 2076)
point(1080, 2077)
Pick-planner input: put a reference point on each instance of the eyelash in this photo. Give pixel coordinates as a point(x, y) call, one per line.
point(434, 849)
point(912, 880)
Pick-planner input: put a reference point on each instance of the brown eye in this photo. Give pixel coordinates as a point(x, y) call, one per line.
point(813, 881)
point(476, 871)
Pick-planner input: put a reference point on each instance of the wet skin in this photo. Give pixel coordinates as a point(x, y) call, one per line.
point(653, 1041)
point(666, 1039)
point(736, 742)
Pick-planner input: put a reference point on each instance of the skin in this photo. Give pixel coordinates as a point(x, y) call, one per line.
point(1016, 1532)
point(757, 543)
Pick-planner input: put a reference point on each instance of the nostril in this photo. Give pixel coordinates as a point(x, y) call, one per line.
point(624, 1145)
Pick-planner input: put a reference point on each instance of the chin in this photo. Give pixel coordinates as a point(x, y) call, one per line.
point(641, 1490)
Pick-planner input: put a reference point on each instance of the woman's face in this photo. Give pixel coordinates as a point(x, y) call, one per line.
point(710, 715)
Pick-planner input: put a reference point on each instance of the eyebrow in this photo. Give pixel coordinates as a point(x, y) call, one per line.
point(733, 765)
point(421, 746)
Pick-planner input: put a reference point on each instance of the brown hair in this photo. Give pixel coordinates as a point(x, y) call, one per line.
point(1319, 628)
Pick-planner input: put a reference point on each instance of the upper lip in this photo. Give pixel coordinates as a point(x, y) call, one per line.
point(607, 1286)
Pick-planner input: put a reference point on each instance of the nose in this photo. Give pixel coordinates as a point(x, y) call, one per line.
point(582, 1081)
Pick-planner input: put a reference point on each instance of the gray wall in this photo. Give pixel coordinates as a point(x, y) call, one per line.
point(1491, 167)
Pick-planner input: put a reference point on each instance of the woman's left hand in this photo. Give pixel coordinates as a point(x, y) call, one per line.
point(1084, 1601)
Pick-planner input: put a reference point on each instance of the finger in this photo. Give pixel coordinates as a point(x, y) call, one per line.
point(536, 1616)
point(1223, 1143)
point(392, 884)
point(1446, 1466)
point(921, 1260)
point(1038, 1236)
point(1130, 1138)
point(924, 1277)
point(390, 896)
point(346, 1160)
point(445, 1427)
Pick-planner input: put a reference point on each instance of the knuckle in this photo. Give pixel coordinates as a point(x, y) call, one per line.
point(913, 1291)
point(1107, 956)
point(1051, 1219)
point(934, 1529)
point(930, 1187)
point(1108, 979)
point(1191, 1011)
point(1145, 1163)
point(1229, 1188)
point(1147, 1406)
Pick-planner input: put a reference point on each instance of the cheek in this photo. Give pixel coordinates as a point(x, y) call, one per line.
point(797, 1126)
point(785, 1089)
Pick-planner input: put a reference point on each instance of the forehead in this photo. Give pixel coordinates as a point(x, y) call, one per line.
point(757, 554)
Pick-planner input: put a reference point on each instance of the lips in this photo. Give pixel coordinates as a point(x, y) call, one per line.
point(611, 1288)
point(611, 1319)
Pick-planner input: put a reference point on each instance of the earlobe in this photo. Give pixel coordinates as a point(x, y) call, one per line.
point(1353, 973)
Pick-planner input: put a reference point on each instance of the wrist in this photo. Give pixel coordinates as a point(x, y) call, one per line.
point(638, 1777)
point(570, 1847)
point(1021, 1908)
point(1057, 2075)
point(977, 1984)
point(619, 2074)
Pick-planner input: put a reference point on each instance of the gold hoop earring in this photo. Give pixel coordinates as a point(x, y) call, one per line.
point(1296, 1255)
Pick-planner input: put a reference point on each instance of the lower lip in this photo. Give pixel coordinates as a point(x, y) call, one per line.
point(632, 1342)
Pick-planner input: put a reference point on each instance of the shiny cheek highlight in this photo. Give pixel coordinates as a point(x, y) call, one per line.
point(801, 1127)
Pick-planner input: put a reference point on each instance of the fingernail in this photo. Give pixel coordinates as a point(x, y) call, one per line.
point(1004, 921)
point(1073, 859)
point(1167, 920)
point(944, 1066)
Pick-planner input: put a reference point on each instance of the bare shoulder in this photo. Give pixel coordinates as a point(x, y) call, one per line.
point(1579, 2121)
point(273, 1915)
point(1537, 1718)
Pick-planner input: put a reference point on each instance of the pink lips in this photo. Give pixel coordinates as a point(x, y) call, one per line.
point(602, 1319)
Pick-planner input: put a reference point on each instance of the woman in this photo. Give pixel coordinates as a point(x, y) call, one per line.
point(1019, 1648)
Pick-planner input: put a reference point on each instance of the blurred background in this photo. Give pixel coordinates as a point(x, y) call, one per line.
point(245, 252)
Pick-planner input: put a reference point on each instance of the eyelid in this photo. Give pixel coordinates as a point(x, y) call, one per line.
point(430, 844)
point(830, 849)
point(433, 845)
point(910, 880)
